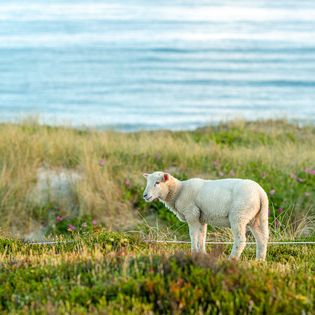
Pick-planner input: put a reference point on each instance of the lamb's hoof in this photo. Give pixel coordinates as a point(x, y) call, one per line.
point(198, 254)
point(233, 258)
point(260, 259)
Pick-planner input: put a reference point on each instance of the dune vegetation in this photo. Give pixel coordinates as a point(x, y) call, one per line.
point(108, 167)
point(85, 187)
point(113, 273)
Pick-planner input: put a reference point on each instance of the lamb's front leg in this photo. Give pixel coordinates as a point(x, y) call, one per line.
point(194, 232)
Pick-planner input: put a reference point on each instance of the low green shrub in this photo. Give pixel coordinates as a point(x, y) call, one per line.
point(162, 284)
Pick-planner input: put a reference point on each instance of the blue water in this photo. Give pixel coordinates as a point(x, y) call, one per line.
point(156, 64)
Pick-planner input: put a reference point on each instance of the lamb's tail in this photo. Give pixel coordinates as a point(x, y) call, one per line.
point(263, 213)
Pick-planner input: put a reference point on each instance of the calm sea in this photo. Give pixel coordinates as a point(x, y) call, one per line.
point(156, 64)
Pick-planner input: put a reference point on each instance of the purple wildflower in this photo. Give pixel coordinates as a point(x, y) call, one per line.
point(71, 228)
point(277, 223)
point(309, 171)
point(101, 163)
point(59, 218)
point(94, 222)
point(280, 210)
point(127, 182)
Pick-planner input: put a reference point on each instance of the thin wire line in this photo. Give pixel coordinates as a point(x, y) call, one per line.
point(230, 243)
point(184, 242)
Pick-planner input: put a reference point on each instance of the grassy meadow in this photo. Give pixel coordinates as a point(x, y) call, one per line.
point(107, 268)
point(114, 273)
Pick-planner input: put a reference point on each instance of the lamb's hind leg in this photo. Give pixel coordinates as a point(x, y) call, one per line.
point(260, 231)
point(238, 228)
point(202, 238)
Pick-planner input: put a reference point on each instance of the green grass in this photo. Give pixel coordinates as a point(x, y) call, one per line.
point(113, 273)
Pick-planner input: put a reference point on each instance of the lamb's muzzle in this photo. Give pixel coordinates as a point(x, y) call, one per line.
point(236, 203)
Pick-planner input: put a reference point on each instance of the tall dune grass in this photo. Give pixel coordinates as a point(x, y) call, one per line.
point(279, 155)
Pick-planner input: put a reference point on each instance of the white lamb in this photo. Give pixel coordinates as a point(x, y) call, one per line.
point(235, 203)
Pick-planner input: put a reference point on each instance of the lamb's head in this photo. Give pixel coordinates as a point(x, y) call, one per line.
point(158, 185)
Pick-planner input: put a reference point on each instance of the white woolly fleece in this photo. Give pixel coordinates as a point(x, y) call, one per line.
point(233, 203)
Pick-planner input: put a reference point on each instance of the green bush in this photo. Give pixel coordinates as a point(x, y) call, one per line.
point(162, 284)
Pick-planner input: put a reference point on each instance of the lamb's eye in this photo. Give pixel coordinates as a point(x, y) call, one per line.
point(156, 183)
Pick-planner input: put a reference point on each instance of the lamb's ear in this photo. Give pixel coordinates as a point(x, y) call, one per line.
point(166, 177)
point(145, 175)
